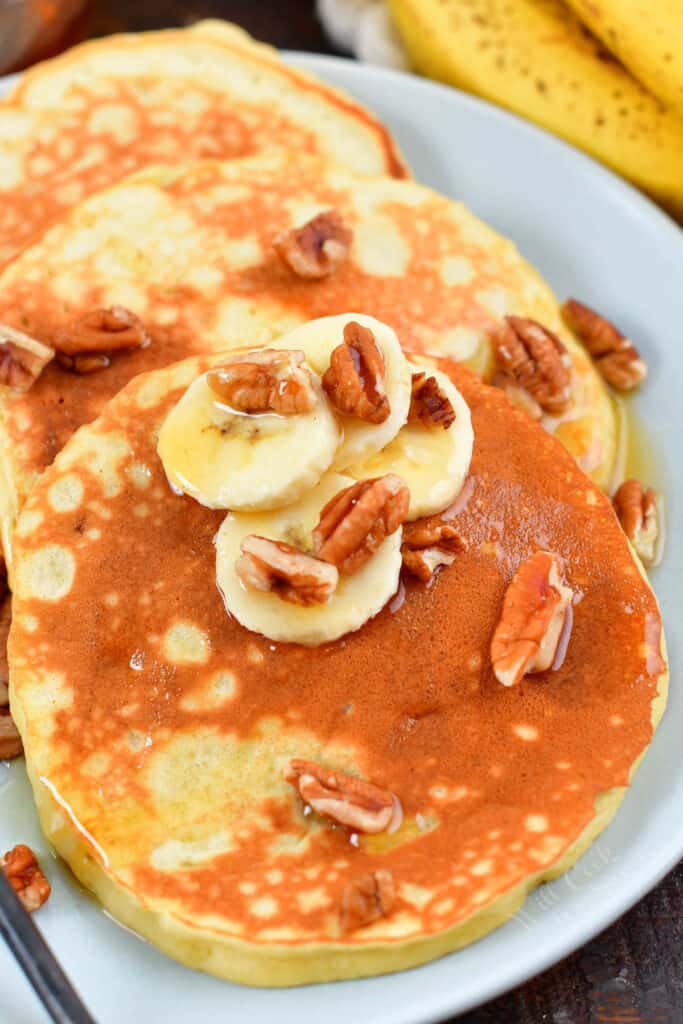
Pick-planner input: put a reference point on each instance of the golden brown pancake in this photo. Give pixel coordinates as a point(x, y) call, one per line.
point(157, 729)
point(189, 250)
point(80, 122)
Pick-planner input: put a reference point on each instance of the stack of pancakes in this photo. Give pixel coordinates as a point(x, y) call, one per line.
point(153, 173)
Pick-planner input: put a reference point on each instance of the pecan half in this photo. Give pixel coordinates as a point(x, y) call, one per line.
point(354, 380)
point(283, 570)
point(318, 247)
point(615, 356)
point(84, 346)
point(535, 359)
point(429, 403)
point(23, 873)
point(531, 626)
point(427, 545)
point(356, 521)
point(349, 801)
point(367, 898)
point(269, 380)
point(22, 358)
point(636, 510)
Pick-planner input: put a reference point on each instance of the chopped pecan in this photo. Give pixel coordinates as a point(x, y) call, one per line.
point(429, 403)
point(636, 510)
point(367, 898)
point(22, 358)
point(615, 356)
point(86, 343)
point(356, 521)
point(354, 380)
point(427, 545)
point(283, 570)
point(535, 609)
point(23, 873)
point(318, 247)
point(84, 362)
point(350, 801)
point(10, 740)
point(268, 380)
point(535, 359)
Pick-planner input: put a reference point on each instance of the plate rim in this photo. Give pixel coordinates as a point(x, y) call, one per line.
point(486, 108)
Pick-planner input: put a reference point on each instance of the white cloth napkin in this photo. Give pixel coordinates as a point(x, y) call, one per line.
point(364, 28)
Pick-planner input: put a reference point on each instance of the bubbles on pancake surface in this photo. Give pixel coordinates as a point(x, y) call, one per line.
point(231, 812)
point(47, 574)
point(186, 644)
point(66, 494)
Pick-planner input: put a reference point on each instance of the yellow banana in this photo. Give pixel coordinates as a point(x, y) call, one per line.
point(536, 58)
point(646, 36)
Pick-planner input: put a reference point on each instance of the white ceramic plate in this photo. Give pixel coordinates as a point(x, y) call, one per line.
point(591, 236)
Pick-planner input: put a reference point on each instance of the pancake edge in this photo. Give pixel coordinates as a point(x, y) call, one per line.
point(229, 37)
point(17, 476)
point(278, 966)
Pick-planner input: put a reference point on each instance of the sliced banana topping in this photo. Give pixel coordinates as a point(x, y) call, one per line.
point(259, 605)
point(432, 452)
point(305, 554)
point(370, 395)
point(256, 432)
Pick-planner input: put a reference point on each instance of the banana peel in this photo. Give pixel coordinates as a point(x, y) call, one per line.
point(537, 59)
point(647, 38)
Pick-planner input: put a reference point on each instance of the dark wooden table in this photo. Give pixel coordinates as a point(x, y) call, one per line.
point(633, 972)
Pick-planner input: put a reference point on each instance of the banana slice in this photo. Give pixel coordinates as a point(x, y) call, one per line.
point(432, 461)
point(224, 458)
point(317, 339)
point(355, 600)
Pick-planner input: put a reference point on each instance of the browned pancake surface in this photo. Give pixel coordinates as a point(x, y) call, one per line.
point(109, 113)
point(202, 274)
point(495, 783)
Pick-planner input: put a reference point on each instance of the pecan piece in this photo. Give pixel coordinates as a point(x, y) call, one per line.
point(367, 898)
point(84, 362)
point(10, 740)
point(317, 248)
point(22, 358)
point(636, 510)
point(535, 610)
point(283, 570)
point(356, 521)
point(269, 380)
point(22, 871)
point(84, 346)
point(615, 356)
point(429, 403)
point(349, 801)
point(427, 545)
point(354, 380)
point(535, 359)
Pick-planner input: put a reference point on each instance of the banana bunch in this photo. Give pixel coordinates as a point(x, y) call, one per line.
point(540, 59)
point(260, 436)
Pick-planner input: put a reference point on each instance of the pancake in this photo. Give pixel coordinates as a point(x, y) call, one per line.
point(104, 109)
point(157, 729)
point(189, 250)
